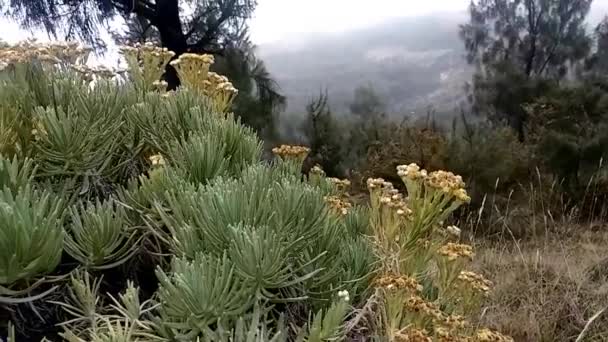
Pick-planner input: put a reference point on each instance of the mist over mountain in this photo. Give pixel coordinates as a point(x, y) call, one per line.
point(412, 63)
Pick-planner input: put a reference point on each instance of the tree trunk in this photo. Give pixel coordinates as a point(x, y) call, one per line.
point(531, 57)
point(172, 36)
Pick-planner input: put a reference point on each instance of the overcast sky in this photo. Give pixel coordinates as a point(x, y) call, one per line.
point(275, 19)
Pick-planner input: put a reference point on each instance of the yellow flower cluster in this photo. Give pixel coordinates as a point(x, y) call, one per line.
point(444, 181)
point(445, 327)
point(193, 72)
point(374, 184)
point(411, 171)
point(419, 245)
point(396, 282)
point(455, 251)
point(455, 322)
point(147, 63)
point(475, 281)
point(193, 68)
point(157, 160)
point(339, 205)
point(397, 203)
point(486, 335)
point(291, 152)
point(340, 184)
point(54, 53)
point(148, 55)
point(317, 171)
point(412, 335)
point(420, 306)
point(89, 72)
point(389, 196)
point(217, 83)
point(448, 335)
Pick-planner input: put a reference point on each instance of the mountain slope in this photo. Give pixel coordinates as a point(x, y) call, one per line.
point(411, 62)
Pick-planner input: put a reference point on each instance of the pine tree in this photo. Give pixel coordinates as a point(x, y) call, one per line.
point(598, 63)
point(206, 26)
point(518, 46)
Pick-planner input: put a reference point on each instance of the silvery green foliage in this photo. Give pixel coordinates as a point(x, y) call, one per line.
point(16, 173)
point(100, 236)
point(236, 240)
point(31, 234)
point(199, 292)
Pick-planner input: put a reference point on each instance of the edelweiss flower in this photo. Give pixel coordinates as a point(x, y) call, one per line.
point(344, 295)
point(341, 184)
point(412, 335)
point(454, 231)
point(454, 251)
point(419, 305)
point(338, 204)
point(394, 282)
point(157, 159)
point(486, 335)
point(317, 170)
point(475, 281)
point(288, 151)
point(411, 171)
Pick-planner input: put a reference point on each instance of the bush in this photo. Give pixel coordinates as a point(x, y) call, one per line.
point(567, 132)
point(398, 144)
point(491, 159)
point(106, 171)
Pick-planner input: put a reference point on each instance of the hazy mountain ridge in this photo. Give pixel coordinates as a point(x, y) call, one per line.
point(411, 62)
point(406, 60)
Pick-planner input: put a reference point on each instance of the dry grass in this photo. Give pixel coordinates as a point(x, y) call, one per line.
point(548, 259)
point(547, 289)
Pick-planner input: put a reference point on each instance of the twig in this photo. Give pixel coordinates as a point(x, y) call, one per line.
point(588, 325)
point(365, 311)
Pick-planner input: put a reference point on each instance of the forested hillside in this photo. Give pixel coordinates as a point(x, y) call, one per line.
point(411, 62)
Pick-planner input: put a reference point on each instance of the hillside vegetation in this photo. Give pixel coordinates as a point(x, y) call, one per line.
point(133, 213)
point(412, 62)
point(168, 202)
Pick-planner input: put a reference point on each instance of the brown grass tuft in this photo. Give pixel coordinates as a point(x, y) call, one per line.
point(548, 289)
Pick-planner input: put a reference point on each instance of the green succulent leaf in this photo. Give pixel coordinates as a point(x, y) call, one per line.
point(100, 235)
point(31, 234)
point(202, 291)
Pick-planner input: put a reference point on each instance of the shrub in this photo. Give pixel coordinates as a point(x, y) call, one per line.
point(396, 144)
point(566, 129)
point(108, 171)
point(491, 159)
point(31, 235)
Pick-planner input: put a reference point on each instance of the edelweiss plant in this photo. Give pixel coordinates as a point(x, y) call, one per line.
point(100, 235)
point(157, 220)
point(146, 65)
point(193, 71)
point(31, 237)
point(423, 288)
point(67, 53)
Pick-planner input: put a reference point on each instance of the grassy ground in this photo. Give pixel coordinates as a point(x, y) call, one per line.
point(548, 262)
point(548, 288)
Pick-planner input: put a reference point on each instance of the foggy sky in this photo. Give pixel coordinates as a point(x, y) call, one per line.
point(276, 19)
